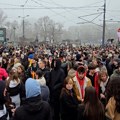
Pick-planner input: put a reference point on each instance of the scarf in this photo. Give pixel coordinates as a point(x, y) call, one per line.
point(96, 85)
point(81, 83)
point(103, 85)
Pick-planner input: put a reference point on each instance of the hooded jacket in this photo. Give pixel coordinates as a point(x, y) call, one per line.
point(57, 76)
point(33, 108)
point(32, 88)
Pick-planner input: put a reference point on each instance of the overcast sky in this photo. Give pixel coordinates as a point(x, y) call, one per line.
point(68, 17)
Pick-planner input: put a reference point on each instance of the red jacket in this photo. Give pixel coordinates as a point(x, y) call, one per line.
point(3, 74)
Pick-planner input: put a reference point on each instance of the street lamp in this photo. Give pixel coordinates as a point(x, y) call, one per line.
point(23, 23)
point(14, 36)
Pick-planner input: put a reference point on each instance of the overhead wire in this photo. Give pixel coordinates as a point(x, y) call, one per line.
point(25, 3)
point(96, 17)
point(50, 8)
point(54, 11)
point(90, 22)
point(8, 4)
point(90, 14)
point(80, 17)
point(80, 6)
point(61, 7)
point(35, 7)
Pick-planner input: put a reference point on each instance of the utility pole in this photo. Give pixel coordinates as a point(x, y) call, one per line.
point(23, 28)
point(23, 25)
point(14, 36)
point(104, 17)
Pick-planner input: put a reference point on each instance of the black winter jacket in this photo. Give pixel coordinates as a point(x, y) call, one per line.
point(33, 109)
point(68, 105)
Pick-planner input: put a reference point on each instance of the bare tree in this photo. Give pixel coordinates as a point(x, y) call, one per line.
point(3, 17)
point(12, 28)
point(43, 26)
point(48, 29)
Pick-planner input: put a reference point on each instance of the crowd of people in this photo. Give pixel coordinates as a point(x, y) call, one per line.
point(59, 83)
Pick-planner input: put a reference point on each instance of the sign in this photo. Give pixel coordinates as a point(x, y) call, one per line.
point(2, 34)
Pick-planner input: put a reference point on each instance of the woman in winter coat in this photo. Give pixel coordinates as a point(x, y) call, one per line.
point(16, 64)
point(21, 73)
point(113, 105)
point(13, 86)
point(68, 101)
point(104, 81)
point(92, 108)
point(10, 64)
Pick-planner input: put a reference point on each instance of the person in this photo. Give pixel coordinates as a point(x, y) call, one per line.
point(10, 64)
point(71, 70)
point(3, 73)
point(16, 64)
point(68, 101)
point(3, 110)
point(116, 72)
point(46, 72)
point(81, 82)
point(57, 77)
point(112, 65)
point(24, 60)
point(13, 86)
point(113, 105)
point(33, 108)
point(32, 68)
point(45, 93)
point(104, 81)
point(4, 62)
point(91, 108)
point(21, 73)
point(100, 65)
point(93, 76)
point(109, 91)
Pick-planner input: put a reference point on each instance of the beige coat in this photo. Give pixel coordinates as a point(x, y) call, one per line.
point(110, 110)
point(77, 87)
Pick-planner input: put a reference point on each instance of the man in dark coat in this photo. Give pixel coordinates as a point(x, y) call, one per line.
point(57, 77)
point(33, 108)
